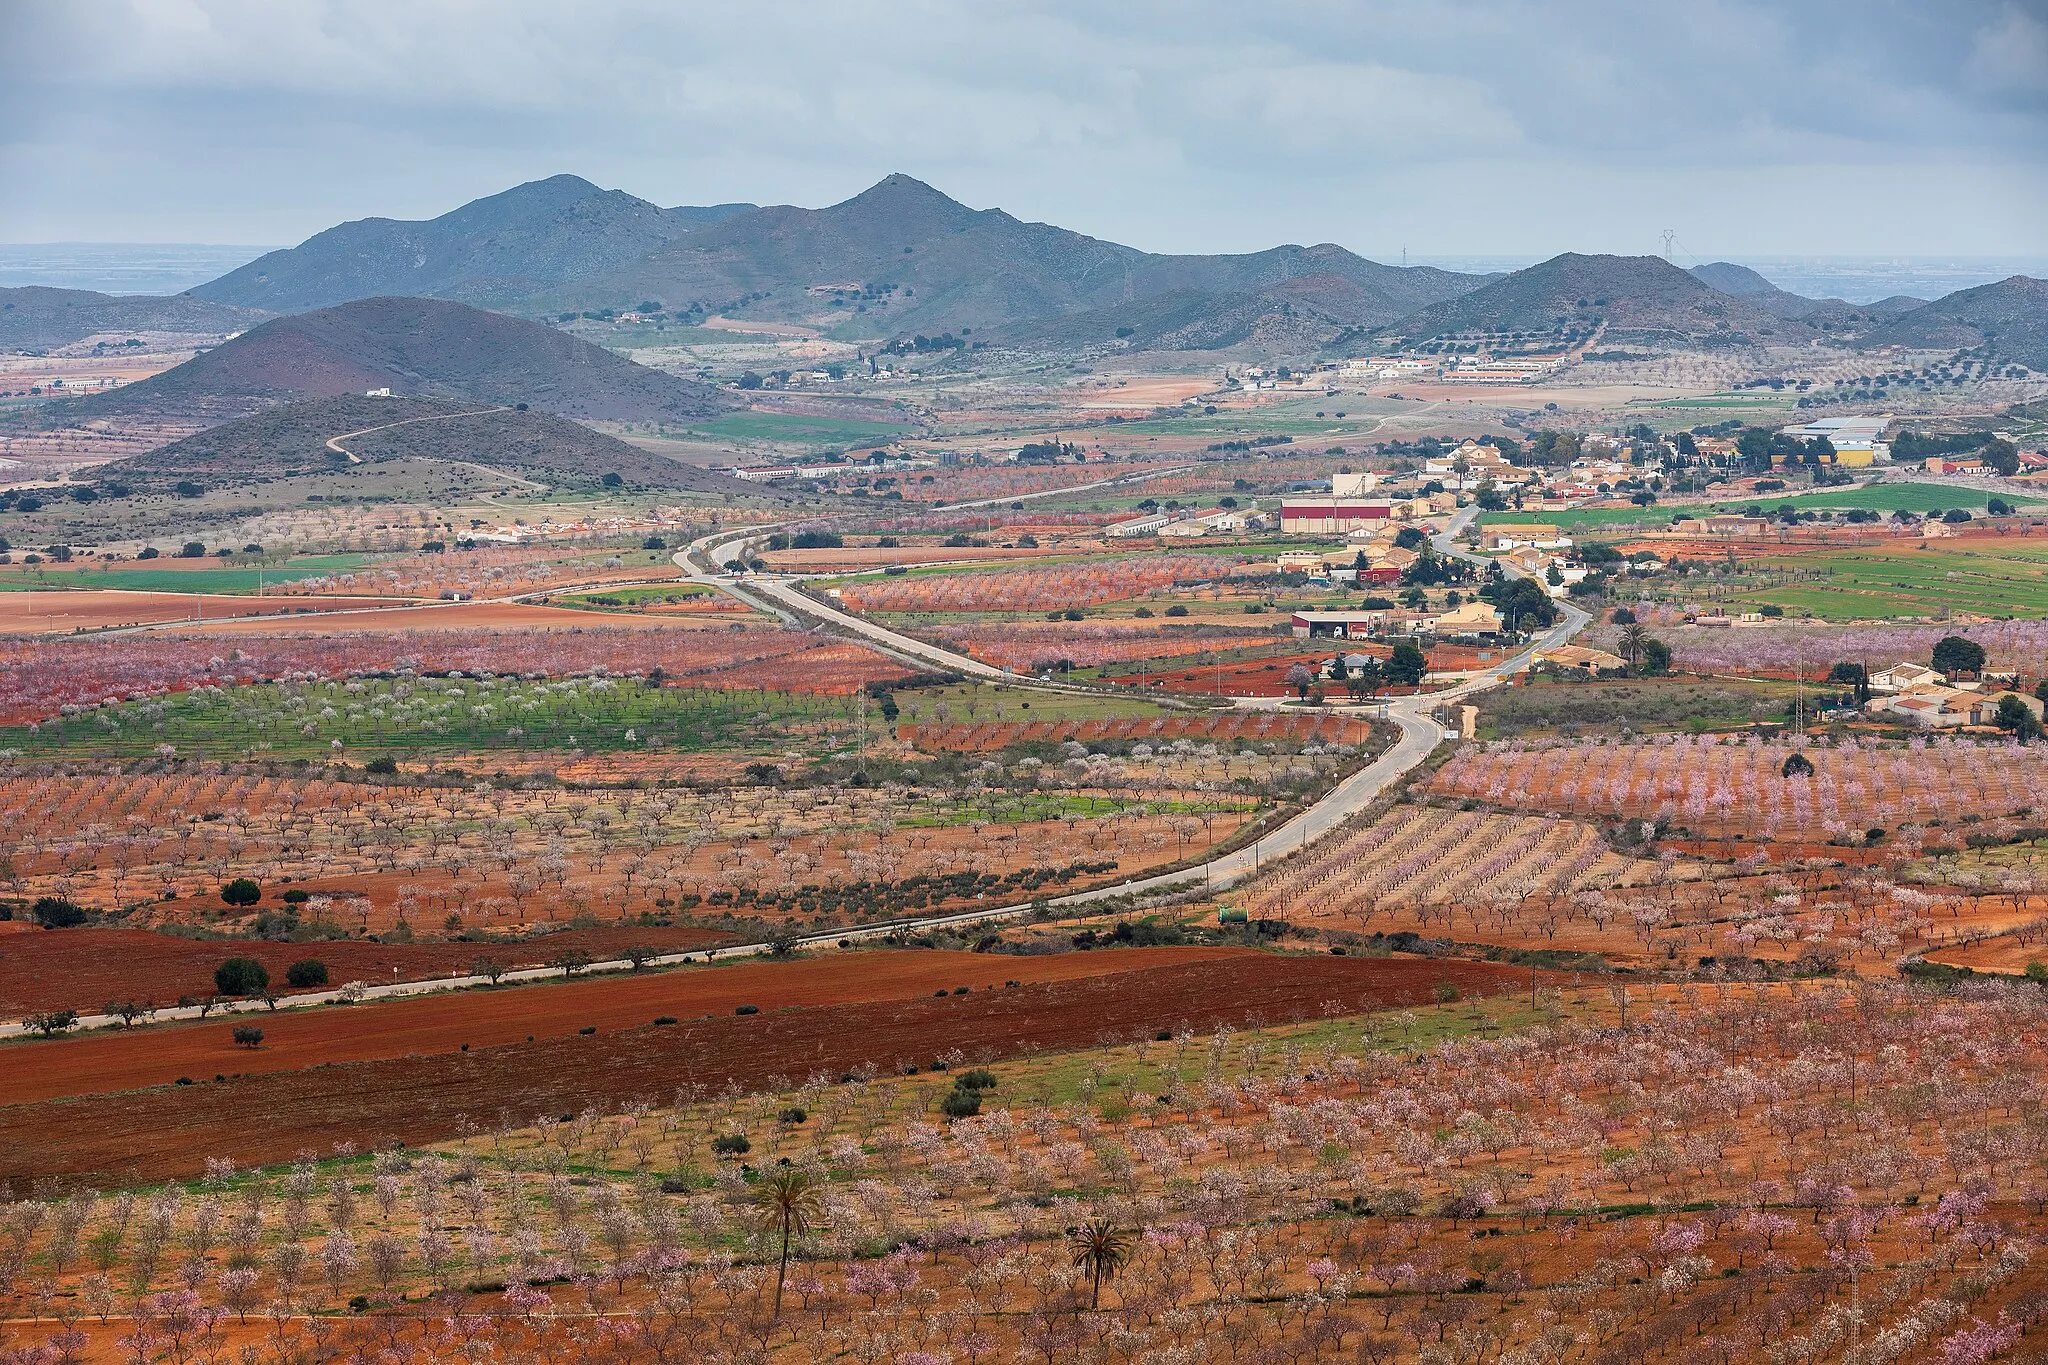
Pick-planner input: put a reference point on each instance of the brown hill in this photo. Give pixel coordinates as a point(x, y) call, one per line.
point(1641, 298)
point(36, 318)
point(425, 348)
point(2009, 318)
point(292, 438)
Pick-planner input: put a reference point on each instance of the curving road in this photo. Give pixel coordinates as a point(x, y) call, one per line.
point(1421, 732)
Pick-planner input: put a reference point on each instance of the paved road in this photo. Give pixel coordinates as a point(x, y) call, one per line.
point(1421, 732)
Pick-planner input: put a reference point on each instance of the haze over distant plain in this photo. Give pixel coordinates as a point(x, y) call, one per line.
point(1826, 128)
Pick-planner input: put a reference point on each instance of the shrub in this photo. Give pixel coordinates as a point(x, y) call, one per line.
point(52, 1022)
point(248, 1035)
point(663, 1020)
point(731, 1144)
point(240, 976)
point(961, 1104)
point(1445, 992)
point(55, 912)
point(977, 1079)
point(309, 971)
point(1176, 610)
point(747, 1009)
point(383, 766)
point(296, 897)
point(241, 891)
point(793, 1115)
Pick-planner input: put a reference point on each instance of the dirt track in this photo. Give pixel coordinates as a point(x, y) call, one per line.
point(82, 969)
point(167, 1132)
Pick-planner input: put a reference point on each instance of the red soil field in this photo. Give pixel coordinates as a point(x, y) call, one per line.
point(82, 969)
point(433, 1024)
point(254, 1119)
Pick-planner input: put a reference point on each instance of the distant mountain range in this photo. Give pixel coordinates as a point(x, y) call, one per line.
point(902, 259)
point(417, 347)
point(2010, 317)
point(496, 252)
point(291, 439)
point(1746, 284)
point(36, 318)
point(899, 258)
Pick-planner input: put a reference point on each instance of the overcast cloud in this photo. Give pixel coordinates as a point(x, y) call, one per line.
point(1864, 126)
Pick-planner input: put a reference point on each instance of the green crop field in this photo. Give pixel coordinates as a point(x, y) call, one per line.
point(650, 596)
point(1989, 578)
point(231, 579)
point(438, 715)
point(1918, 498)
point(1751, 401)
point(791, 429)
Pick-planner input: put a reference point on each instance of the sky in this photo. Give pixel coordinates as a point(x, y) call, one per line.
point(1514, 128)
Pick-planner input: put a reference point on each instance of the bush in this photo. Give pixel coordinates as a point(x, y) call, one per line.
point(977, 1079)
point(55, 912)
point(747, 1009)
point(241, 891)
point(248, 1035)
point(1176, 610)
point(663, 1020)
point(240, 976)
point(961, 1104)
point(52, 1022)
point(731, 1144)
point(309, 971)
point(793, 1115)
point(383, 766)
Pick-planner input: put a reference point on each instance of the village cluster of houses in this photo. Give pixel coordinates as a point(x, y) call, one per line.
point(1914, 694)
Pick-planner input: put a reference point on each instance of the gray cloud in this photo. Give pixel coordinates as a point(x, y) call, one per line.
point(1481, 126)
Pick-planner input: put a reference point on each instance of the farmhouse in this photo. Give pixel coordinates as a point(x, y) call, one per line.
point(1341, 625)
point(1138, 526)
point(1331, 516)
point(1301, 561)
point(1468, 618)
point(1514, 535)
point(1579, 656)
point(1721, 524)
point(1904, 678)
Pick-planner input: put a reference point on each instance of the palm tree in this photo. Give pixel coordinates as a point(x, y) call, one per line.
point(1633, 638)
point(788, 1201)
point(1101, 1248)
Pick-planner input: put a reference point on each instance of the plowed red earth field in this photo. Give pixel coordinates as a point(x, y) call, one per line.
point(160, 1133)
point(83, 969)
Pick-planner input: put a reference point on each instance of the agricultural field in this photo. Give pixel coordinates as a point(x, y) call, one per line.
point(1054, 587)
point(1485, 1165)
point(1980, 575)
point(193, 576)
point(1726, 788)
point(1642, 705)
